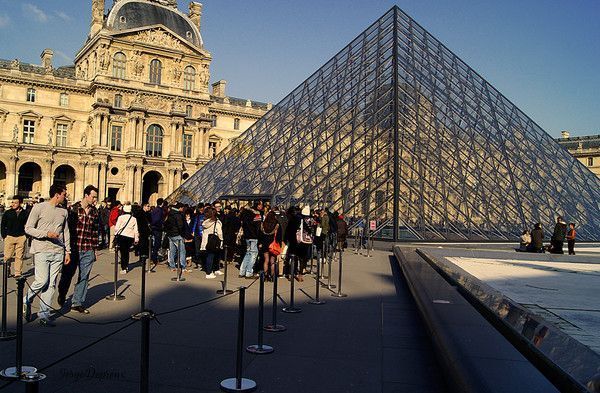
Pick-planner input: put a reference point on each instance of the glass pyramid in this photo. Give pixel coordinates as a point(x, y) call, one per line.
point(396, 128)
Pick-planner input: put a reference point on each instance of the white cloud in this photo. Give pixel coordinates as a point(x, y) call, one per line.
point(4, 21)
point(63, 16)
point(37, 13)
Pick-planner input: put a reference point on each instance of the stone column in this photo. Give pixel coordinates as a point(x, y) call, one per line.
point(173, 140)
point(141, 131)
point(80, 179)
point(102, 181)
point(129, 189)
point(170, 176)
point(11, 177)
point(96, 124)
point(47, 176)
point(131, 129)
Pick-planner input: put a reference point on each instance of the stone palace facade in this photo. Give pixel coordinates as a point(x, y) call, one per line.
point(133, 115)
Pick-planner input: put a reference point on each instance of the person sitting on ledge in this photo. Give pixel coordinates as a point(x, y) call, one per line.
point(537, 239)
point(525, 241)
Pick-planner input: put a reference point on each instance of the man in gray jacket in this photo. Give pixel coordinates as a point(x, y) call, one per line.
point(50, 246)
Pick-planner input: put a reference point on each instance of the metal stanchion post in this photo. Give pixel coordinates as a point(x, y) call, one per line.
point(239, 384)
point(5, 335)
point(317, 300)
point(20, 372)
point(291, 308)
point(312, 247)
point(225, 290)
point(339, 292)
point(145, 318)
point(329, 259)
point(179, 268)
point(260, 348)
point(115, 296)
point(273, 326)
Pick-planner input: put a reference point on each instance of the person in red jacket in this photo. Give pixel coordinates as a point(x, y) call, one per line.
point(115, 212)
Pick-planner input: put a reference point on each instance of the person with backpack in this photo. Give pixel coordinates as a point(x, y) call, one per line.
point(174, 228)
point(126, 234)
point(212, 241)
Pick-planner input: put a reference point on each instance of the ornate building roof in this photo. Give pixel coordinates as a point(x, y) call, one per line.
point(133, 14)
point(62, 72)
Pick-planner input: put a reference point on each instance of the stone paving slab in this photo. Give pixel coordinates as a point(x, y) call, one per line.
point(371, 341)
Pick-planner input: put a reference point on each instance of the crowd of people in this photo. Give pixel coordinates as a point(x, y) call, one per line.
point(533, 241)
point(65, 238)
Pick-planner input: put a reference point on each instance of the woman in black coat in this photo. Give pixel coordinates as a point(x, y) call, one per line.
point(143, 223)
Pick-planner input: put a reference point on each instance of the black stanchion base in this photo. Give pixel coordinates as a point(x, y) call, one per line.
point(274, 328)
point(11, 372)
point(260, 350)
point(230, 385)
point(224, 291)
point(332, 286)
point(316, 302)
point(181, 279)
point(115, 297)
point(7, 336)
point(291, 310)
point(339, 295)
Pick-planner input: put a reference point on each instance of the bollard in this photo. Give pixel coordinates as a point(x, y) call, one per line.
point(178, 278)
point(291, 308)
point(239, 384)
point(273, 326)
point(260, 348)
point(339, 292)
point(115, 296)
point(316, 300)
point(5, 335)
point(225, 290)
point(19, 372)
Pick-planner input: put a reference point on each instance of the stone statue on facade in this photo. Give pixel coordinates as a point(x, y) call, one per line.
point(84, 139)
point(50, 132)
point(177, 70)
point(97, 11)
point(15, 64)
point(204, 75)
point(15, 135)
point(138, 65)
point(103, 59)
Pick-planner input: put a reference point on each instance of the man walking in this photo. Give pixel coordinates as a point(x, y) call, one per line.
point(174, 229)
point(13, 233)
point(47, 225)
point(87, 244)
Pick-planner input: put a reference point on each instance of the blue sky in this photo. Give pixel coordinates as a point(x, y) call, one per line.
point(544, 55)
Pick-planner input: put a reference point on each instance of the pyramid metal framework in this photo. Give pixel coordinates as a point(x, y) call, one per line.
point(396, 128)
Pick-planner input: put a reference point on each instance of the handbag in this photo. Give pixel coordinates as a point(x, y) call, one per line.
point(213, 243)
point(274, 247)
point(302, 236)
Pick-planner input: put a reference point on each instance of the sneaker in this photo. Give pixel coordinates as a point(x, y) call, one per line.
point(124, 271)
point(80, 309)
point(27, 311)
point(211, 276)
point(46, 322)
point(218, 273)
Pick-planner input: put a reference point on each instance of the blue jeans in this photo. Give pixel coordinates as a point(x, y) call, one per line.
point(156, 242)
point(86, 261)
point(176, 247)
point(247, 266)
point(208, 266)
point(47, 267)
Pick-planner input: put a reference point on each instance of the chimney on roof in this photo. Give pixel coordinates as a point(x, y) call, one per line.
point(46, 57)
point(565, 134)
point(219, 88)
point(195, 13)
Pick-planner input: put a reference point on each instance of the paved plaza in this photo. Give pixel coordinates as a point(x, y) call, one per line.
point(371, 341)
point(562, 289)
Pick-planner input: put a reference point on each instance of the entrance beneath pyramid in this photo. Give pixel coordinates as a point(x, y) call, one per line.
point(241, 200)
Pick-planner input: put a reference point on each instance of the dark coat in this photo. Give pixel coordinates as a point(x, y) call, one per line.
point(251, 220)
point(560, 230)
point(342, 230)
point(13, 224)
point(174, 224)
point(537, 238)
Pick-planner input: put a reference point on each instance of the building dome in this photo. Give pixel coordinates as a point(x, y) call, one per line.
point(133, 14)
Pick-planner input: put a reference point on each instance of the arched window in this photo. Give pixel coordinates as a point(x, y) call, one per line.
point(154, 140)
point(155, 71)
point(189, 78)
point(119, 61)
